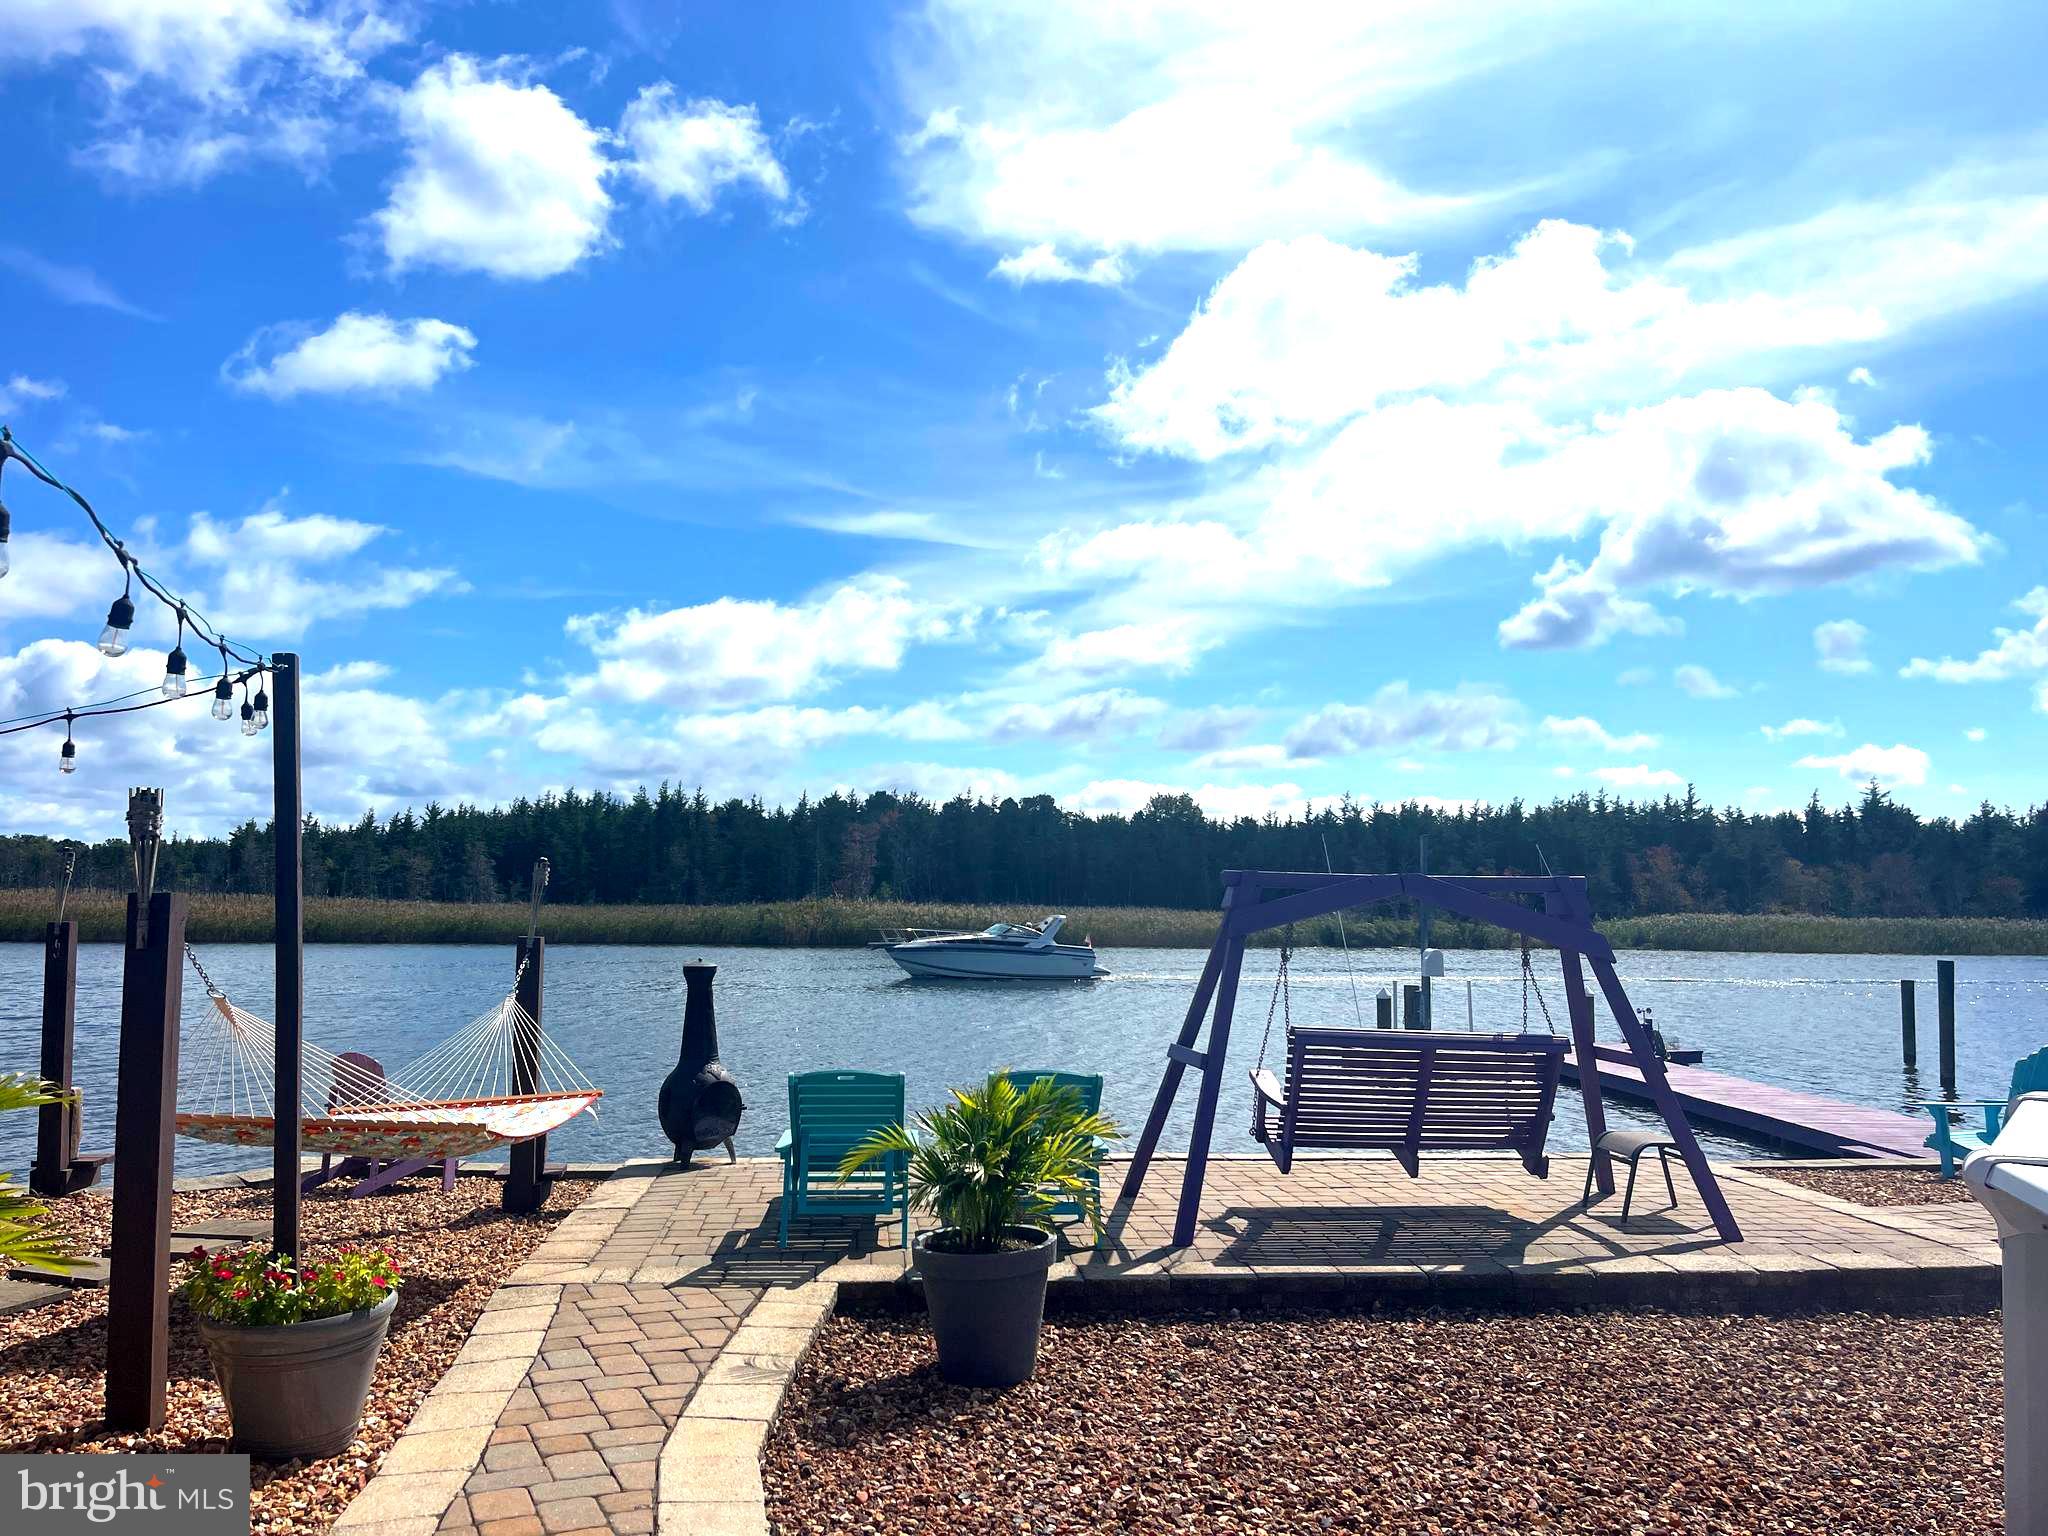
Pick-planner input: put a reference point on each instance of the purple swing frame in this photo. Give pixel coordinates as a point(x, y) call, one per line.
point(1565, 922)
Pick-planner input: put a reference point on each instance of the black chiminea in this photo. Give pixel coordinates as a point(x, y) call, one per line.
point(700, 1102)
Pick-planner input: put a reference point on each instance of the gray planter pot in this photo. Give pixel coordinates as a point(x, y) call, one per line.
point(986, 1308)
point(297, 1389)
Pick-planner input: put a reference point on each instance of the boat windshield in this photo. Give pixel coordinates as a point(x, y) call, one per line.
point(1009, 931)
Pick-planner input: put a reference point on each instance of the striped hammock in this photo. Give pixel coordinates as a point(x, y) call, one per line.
point(459, 1099)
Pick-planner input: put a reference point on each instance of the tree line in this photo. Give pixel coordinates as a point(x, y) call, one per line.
point(1873, 857)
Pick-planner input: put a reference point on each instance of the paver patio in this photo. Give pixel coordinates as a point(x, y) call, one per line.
point(554, 1420)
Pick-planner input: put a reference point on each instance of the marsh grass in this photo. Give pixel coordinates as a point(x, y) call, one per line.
point(833, 922)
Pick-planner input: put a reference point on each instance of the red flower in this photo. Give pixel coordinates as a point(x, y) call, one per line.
point(241, 1293)
point(223, 1274)
point(199, 1253)
point(380, 1282)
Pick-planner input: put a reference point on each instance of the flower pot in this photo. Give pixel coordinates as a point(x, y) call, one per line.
point(297, 1389)
point(986, 1308)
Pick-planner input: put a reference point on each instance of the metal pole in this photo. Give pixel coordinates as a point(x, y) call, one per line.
point(289, 888)
point(1945, 1005)
point(526, 1187)
point(57, 1124)
point(145, 1117)
point(1422, 936)
point(1909, 1033)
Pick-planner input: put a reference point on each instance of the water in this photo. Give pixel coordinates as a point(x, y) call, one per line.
point(1822, 1022)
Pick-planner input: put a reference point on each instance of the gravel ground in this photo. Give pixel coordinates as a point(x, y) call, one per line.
point(1879, 1186)
point(453, 1249)
point(1608, 1423)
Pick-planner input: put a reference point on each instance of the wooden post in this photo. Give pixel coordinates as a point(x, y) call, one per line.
point(1212, 1080)
point(1169, 1082)
point(1383, 1009)
point(1945, 1006)
point(1909, 1033)
point(57, 1124)
point(145, 1117)
point(526, 1186)
point(1411, 1006)
point(289, 896)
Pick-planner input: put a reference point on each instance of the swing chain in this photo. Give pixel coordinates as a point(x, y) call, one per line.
point(1529, 980)
point(1283, 999)
point(200, 971)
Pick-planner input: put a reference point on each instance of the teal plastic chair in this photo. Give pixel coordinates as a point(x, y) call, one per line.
point(1089, 1086)
point(2029, 1075)
point(829, 1114)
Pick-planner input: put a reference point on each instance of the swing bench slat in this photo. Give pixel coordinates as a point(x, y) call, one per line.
point(1408, 1093)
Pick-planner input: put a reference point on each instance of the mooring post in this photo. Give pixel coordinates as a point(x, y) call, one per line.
point(1383, 1009)
point(289, 887)
point(1945, 1009)
point(145, 1117)
point(1411, 1006)
point(526, 1180)
point(1909, 1030)
point(57, 1124)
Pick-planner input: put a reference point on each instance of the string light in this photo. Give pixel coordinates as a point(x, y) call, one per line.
point(174, 664)
point(67, 760)
point(120, 620)
point(6, 524)
point(224, 691)
point(262, 704)
point(249, 726)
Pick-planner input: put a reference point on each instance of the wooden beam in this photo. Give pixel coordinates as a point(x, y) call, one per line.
point(1205, 1099)
point(1579, 1004)
point(57, 1124)
point(1453, 895)
point(526, 1185)
point(289, 906)
point(145, 1119)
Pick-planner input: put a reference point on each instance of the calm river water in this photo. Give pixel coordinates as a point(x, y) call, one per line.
point(1822, 1022)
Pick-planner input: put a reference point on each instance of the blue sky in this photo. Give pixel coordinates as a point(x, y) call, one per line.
point(1455, 401)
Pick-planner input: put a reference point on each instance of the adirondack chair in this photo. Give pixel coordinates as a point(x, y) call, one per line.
point(1409, 1092)
point(830, 1113)
point(1089, 1086)
point(1953, 1142)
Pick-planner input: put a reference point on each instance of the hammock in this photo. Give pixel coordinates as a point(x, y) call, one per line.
point(460, 1098)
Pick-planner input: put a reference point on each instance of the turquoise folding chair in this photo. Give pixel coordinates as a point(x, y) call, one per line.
point(1089, 1086)
point(830, 1113)
point(2029, 1075)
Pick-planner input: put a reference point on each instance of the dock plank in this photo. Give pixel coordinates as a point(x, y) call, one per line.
point(1806, 1120)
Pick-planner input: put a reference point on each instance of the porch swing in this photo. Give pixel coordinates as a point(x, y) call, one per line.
point(1407, 1091)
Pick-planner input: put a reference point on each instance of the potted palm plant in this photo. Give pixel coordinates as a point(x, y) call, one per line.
point(27, 1236)
point(991, 1165)
point(293, 1349)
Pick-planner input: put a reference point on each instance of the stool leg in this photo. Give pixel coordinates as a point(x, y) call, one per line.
point(1586, 1194)
point(1629, 1193)
point(1664, 1161)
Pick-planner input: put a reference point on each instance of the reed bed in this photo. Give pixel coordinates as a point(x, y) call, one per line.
point(222, 919)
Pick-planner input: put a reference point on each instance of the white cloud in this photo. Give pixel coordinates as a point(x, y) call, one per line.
point(1168, 644)
point(1468, 720)
point(2018, 651)
point(264, 590)
point(201, 46)
point(1974, 733)
point(1697, 682)
point(733, 651)
point(1638, 776)
point(694, 150)
point(943, 781)
point(500, 177)
point(1890, 766)
point(55, 578)
point(1636, 677)
point(359, 352)
point(1862, 376)
point(1043, 264)
point(21, 388)
point(1583, 730)
point(1802, 727)
point(1112, 713)
point(1204, 730)
point(1838, 646)
point(1262, 755)
point(68, 284)
point(1228, 801)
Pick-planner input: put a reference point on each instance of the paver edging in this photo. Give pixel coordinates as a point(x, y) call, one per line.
point(708, 1479)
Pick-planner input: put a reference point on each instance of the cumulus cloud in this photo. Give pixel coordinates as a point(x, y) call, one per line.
point(1167, 644)
point(692, 151)
point(1890, 766)
point(1468, 719)
point(1697, 682)
point(20, 389)
point(1043, 264)
point(1638, 776)
point(734, 651)
point(1122, 797)
point(358, 353)
point(1583, 730)
point(2017, 653)
point(500, 176)
point(1838, 646)
point(1112, 713)
point(1204, 730)
point(1802, 727)
point(269, 585)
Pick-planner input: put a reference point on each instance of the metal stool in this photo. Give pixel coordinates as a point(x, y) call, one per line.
point(1632, 1145)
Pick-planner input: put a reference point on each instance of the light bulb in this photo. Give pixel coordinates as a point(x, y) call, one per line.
point(120, 619)
point(67, 762)
point(174, 674)
point(6, 528)
point(249, 726)
point(262, 709)
point(223, 700)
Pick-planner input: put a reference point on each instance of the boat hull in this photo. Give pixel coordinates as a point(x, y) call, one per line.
point(949, 963)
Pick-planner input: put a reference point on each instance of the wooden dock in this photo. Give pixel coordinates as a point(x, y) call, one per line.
point(1804, 1120)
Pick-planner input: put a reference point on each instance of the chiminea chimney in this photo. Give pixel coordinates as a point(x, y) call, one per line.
point(700, 1103)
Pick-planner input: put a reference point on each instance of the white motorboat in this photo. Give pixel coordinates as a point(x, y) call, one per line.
point(1000, 952)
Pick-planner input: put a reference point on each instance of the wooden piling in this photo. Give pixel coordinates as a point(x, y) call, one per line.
point(1909, 1029)
point(289, 897)
point(1411, 1006)
point(145, 1118)
point(526, 1187)
point(57, 1124)
point(1383, 1009)
point(1945, 1008)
